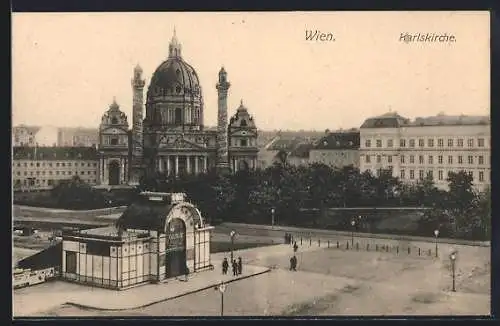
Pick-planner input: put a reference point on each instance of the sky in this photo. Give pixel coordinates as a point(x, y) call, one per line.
point(67, 67)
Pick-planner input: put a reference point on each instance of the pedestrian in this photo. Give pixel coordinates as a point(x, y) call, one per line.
point(294, 263)
point(295, 247)
point(291, 263)
point(225, 266)
point(240, 266)
point(235, 268)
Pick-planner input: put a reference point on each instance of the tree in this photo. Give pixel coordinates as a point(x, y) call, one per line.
point(77, 194)
point(461, 202)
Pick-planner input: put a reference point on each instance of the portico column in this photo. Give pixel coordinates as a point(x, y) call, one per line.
point(122, 170)
point(196, 159)
point(188, 164)
point(106, 179)
point(101, 170)
point(125, 170)
point(176, 165)
point(168, 165)
point(205, 164)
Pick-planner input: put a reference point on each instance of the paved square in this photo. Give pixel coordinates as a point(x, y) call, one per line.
point(328, 282)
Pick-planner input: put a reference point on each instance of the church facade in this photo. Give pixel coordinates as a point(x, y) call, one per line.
point(171, 137)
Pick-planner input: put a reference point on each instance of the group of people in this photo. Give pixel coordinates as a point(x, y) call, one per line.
point(237, 266)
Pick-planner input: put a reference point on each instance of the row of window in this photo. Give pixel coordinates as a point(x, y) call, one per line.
point(430, 159)
point(115, 140)
point(40, 182)
point(25, 173)
point(430, 142)
point(50, 164)
point(440, 175)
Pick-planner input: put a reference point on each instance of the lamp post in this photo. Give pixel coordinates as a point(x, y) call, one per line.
point(436, 234)
point(232, 235)
point(221, 288)
point(272, 216)
point(353, 224)
point(453, 258)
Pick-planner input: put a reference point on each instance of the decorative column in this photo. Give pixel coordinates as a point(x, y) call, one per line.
point(176, 165)
point(188, 164)
point(205, 168)
point(196, 159)
point(222, 160)
point(168, 165)
point(136, 168)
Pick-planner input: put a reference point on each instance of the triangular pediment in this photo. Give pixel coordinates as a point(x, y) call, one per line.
point(178, 143)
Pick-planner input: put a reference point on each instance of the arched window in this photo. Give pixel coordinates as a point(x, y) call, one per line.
point(243, 123)
point(178, 116)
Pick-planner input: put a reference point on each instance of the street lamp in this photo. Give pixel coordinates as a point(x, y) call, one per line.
point(436, 234)
point(453, 258)
point(221, 288)
point(232, 235)
point(272, 216)
point(353, 223)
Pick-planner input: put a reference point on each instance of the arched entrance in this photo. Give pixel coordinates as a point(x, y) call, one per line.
point(243, 165)
point(114, 173)
point(175, 248)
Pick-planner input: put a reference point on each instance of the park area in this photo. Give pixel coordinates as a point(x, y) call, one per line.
point(333, 281)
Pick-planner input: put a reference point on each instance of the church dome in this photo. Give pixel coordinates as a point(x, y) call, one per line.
point(173, 77)
point(174, 95)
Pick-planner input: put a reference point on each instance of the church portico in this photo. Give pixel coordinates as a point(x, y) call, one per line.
point(178, 164)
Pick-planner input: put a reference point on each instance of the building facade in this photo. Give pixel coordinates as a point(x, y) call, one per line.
point(337, 149)
point(37, 168)
point(431, 146)
point(171, 137)
point(24, 135)
point(77, 137)
point(160, 236)
point(242, 134)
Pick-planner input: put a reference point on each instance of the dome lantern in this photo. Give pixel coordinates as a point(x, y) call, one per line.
point(174, 48)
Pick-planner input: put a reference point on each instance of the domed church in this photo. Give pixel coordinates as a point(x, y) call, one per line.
point(171, 137)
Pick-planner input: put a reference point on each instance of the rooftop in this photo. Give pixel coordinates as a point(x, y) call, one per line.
point(54, 153)
point(339, 140)
point(394, 120)
point(286, 144)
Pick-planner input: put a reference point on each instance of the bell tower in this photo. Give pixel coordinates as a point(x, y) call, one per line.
point(137, 140)
point(222, 163)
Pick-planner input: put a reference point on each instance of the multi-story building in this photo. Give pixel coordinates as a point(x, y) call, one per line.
point(43, 167)
point(23, 135)
point(431, 146)
point(268, 155)
point(337, 149)
point(77, 137)
point(300, 155)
